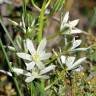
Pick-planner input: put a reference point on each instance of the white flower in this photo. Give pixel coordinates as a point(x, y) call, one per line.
point(69, 27)
point(35, 56)
point(75, 44)
point(34, 73)
point(70, 62)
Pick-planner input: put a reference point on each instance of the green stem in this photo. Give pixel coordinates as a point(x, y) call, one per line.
point(41, 22)
point(48, 3)
point(7, 33)
point(35, 5)
point(42, 85)
point(31, 89)
point(9, 65)
point(38, 7)
point(24, 8)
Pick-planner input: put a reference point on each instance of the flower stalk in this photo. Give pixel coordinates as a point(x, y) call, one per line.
point(13, 77)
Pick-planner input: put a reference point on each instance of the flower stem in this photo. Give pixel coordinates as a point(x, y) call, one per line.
point(35, 5)
point(41, 22)
point(9, 65)
point(31, 89)
point(7, 33)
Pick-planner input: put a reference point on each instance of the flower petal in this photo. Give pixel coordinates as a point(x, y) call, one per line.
point(75, 31)
point(24, 56)
point(69, 61)
point(42, 46)
point(73, 23)
point(44, 56)
point(78, 62)
point(29, 79)
point(81, 49)
point(47, 69)
point(79, 68)
point(30, 46)
point(40, 65)
point(65, 19)
point(76, 43)
point(30, 65)
point(43, 77)
point(6, 72)
point(63, 59)
point(19, 71)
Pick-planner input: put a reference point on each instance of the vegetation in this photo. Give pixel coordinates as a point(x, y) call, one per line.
point(44, 51)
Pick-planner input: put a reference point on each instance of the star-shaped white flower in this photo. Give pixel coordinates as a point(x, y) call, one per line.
point(34, 73)
point(69, 27)
point(70, 62)
point(35, 56)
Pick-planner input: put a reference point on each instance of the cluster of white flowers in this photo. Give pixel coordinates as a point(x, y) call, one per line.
point(34, 58)
point(35, 68)
point(69, 60)
point(68, 27)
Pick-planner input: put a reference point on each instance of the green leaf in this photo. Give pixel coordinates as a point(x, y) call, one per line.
point(57, 6)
